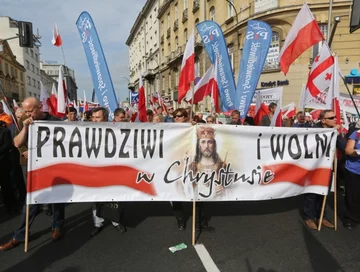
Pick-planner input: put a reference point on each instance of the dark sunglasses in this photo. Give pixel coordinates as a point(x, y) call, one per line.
point(331, 118)
point(179, 115)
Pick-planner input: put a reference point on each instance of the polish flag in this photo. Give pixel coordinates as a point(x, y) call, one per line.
point(321, 71)
point(345, 126)
point(155, 98)
point(315, 114)
point(86, 104)
point(289, 110)
point(75, 105)
point(162, 104)
point(187, 73)
point(62, 97)
point(56, 40)
point(52, 101)
point(215, 91)
point(44, 98)
point(304, 33)
point(16, 106)
point(142, 103)
point(260, 113)
point(276, 120)
point(203, 88)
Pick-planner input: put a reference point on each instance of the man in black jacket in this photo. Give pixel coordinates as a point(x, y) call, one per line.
point(33, 109)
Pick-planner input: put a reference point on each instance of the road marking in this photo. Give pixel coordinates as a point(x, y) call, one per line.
point(206, 259)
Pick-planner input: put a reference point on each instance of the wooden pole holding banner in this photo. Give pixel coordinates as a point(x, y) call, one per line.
point(335, 198)
point(194, 222)
point(27, 228)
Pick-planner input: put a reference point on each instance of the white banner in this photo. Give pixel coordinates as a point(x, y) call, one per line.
point(270, 95)
point(91, 162)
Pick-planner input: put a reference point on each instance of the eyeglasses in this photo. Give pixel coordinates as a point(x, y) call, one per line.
point(179, 115)
point(331, 118)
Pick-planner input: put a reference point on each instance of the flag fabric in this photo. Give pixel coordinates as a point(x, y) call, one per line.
point(304, 33)
point(276, 120)
point(52, 102)
point(62, 98)
point(217, 49)
point(142, 103)
point(257, 42)
point(315, 114)
point(321, 71)
point(215, 103)
point(44, 98)
point(260, 113)
point(345, 126)
point(334, 91)
point(187, 73)
point(162, 104)
point(9, 118)
point(85, 104)
point(289, 110)
point(56, 39)
point(155, 98)
point(203, 88)
point(16, 106)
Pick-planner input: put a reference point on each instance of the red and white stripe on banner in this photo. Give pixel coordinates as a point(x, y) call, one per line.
point(90, 162)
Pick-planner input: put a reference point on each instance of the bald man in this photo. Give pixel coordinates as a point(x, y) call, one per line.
point(33, 109)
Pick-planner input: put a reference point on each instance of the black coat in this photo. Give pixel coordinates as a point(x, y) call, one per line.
point(6, 144)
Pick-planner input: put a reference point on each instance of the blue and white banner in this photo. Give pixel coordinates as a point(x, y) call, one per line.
point(97, 63)
point(257, 42)
point(134, 97)
point(215, 45)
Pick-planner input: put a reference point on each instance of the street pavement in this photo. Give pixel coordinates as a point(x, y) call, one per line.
point(263, 236)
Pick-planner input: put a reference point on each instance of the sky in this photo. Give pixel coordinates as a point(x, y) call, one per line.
point(113, 20)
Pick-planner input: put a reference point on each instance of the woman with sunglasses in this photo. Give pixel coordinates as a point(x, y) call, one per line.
point(180, 115)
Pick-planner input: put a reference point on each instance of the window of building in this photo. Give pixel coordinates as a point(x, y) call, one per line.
point(36, 57)
point(6, 68)
point(12, 73)
point(32, 53)
point(185, 4)
point(28, 80)
point(177, 78)
point(168, 20)
point(38, 84)
point(27, 65)
point(176, 42)
point(33, 68)
point(16, 74)
point(34, 83)
point(37, 71)
point(272, 58)
point(212, 13)
point(27, 50)
point(163, 83)
point(186, 34)
point(169, 79)
point(30, 93)
point(231, 55)
point(197, 68)
point(22, 76)
point(230, 8)
point(162, 28)
point(317, 47)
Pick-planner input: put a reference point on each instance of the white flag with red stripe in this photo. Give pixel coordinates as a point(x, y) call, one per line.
point(203, 87)
point(304, 33)
point(289, 110)
point(56, 39)
point(44, 97)
point(62, 98)
point(321, 71)
point(86, 104)
point(16, 106)
point(187, 73)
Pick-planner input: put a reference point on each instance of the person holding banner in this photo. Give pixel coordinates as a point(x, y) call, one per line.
point(114, 211)
point(33, 109)
point(352, 180)
point(119, 115)
point(300, 116)
point(312, 202)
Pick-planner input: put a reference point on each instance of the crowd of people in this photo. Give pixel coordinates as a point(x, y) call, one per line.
point(14, 154)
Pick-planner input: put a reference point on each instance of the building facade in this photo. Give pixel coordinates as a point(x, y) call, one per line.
point(48, 81)
point(28, 57)
point(177, 19)
point(12, 75)
point(52, 70)
point(144, 44)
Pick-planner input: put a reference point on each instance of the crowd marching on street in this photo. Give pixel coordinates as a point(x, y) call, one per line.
point(14, 155)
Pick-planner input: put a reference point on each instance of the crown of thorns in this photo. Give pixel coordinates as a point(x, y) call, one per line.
point(206, 132)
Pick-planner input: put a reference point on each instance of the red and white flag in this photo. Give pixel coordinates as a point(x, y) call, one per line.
point(289, 110)
point(16, 106)
point(44, 98)
point(86, 104)
point(276, 120)
point(315, 114)
point(142, 103)
point(334, 91)
point(202, 88)
point(52, 102)
point(56, 39)
point(215, 103)
point(321, 71)
point(304, 33)
point(62, 97)
point(187, 73)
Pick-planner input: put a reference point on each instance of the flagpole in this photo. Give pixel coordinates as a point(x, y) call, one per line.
point(329, 19)
point(62, 50)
